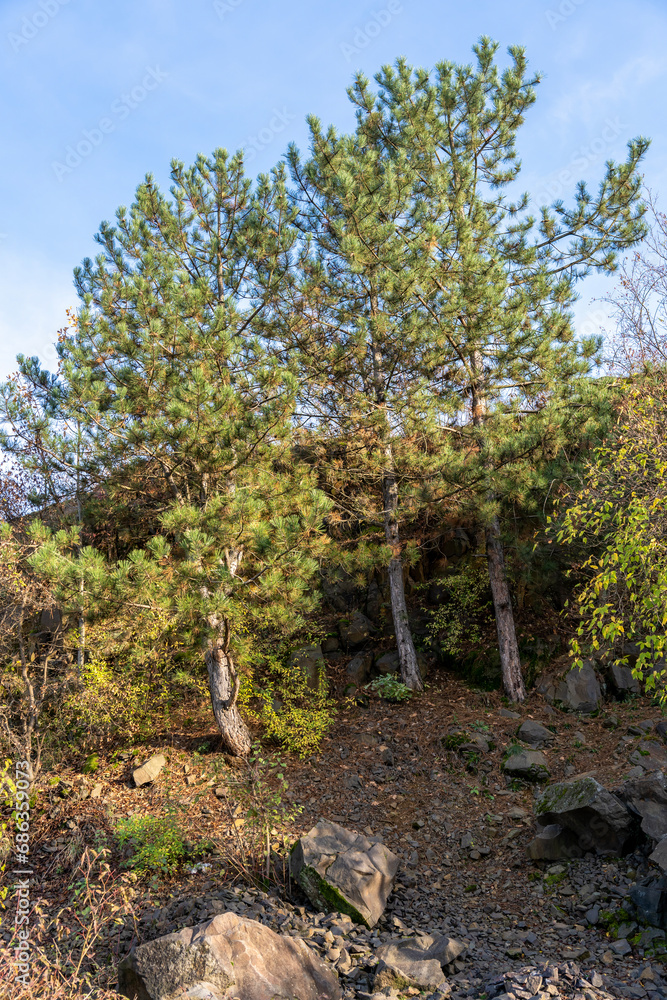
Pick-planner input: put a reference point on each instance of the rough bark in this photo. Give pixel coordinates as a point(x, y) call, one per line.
point(410, 674)
point(509, 650)
point(223, 683)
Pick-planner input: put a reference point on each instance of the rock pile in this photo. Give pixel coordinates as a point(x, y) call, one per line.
point(548, 982)
point(580, 816)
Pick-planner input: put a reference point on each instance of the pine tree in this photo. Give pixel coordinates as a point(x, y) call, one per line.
point(350, 327)
point(184, 409)
point(494, 285)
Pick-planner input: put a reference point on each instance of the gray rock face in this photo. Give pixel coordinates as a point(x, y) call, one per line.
point(359, 667)
point(310, 659)
point(579, 690)
point(416, 962)
point(552, 843)
point(149, 770)
point(342, 870)
point(356, 631)
point(622, 680)
point(226, 957)
point(531, 765)
point(659, 856)
point(579, 816)
point(535, 734)
point(646, 797)
point(373, 600)
point(651, 902)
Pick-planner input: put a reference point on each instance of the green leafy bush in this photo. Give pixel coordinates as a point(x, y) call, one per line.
point(156, 843)
point(390, 688)
point(615, 526)
point(294, 714)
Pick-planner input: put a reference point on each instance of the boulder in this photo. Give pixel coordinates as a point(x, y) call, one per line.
point(345, 871)
point(415, 962)
point(650, 755)
point(476, 743)
point(583, 816)
point(355, 630)
point(534, 734)
point(310, 659)
point(579, 690)
point(622, 681)
point(359, 668)
point(646, 798)
point(531, 765)
point(149, 770)
point(389, 663)
point(223, 958)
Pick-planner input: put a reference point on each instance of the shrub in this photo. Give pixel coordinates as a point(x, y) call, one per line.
point(390, 688)
point(156, 842)
point(305, 714)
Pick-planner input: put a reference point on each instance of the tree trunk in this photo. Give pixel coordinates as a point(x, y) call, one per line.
point(410, 674)
point(407, 656)
point(510, 664)
point(223, 683)
point(502, 603)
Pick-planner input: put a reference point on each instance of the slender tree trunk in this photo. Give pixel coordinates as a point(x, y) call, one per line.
point(509, 649)
point(407, 656)
point(510, 664)
point(223, 683)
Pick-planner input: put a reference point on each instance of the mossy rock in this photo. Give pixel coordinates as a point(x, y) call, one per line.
point(326, 896)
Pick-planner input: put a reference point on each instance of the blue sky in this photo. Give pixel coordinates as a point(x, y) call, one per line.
point(98, 93)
